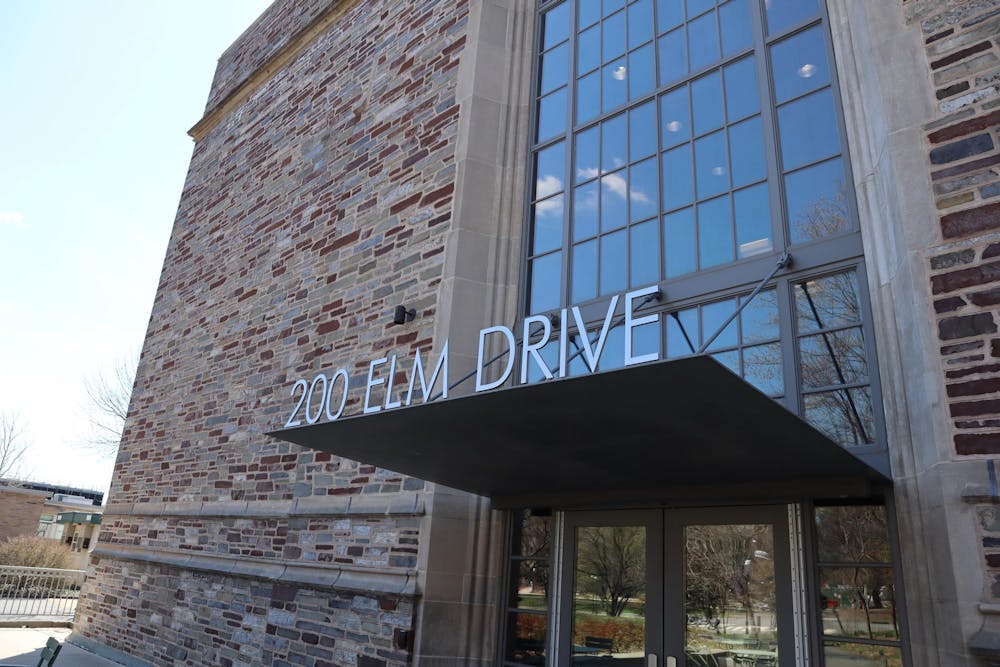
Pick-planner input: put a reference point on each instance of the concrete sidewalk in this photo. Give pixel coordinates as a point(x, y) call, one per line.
point(23, 646)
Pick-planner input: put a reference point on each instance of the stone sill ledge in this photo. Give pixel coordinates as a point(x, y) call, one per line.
point(335, 577)
point(409, 504)
point(979, 494)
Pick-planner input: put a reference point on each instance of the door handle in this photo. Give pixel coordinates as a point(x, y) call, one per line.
point(671, 661)
point(651, 660)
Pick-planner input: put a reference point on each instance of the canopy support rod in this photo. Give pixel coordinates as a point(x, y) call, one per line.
point(783, 261)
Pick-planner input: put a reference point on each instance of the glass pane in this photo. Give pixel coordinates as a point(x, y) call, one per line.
point(555, 24)
point(808, 130)
point(678, 243)
point(546, 276)
point(673, 56)
point(643, 190)
point(613, 263)
point(586, 164)
point(703, 41)
point(614, 82)
point(613, 30)
point(641, 72)
point(715, 233)
point(682, 332)
point(677, 180)
point(548, 225)
point(640, 23)
point(827, 302)
point(731, 360)
point(759, 319)
point(712, 317)
point(762, 368)
point(752, 213)
point(833, 358)
point(782, 14)
point(588, 50)
point(845, 415)
point(614, 190)
point(798, 64)
point(588, 97)
point(817, 202)
point(676, 117)
point(695, 7)
point(645, 255)
point(711, 166)
point(853, 534)
point(552, 115)
point(861, 655)
point(584, 272)
point(706, 95)
point(609, 594)
point(613, 354)
point(614, 144)
point(858, 602)
point(742, 98)
point(646, 339)
point(669, 14)
point(746, 146)
point(532, 583)
point(585, 211)
point(735, 19)
point(587, 13)
point(729, 595)
point(555, 68)
point(550, 358)
point(549, 166)
point(526, 638)
point(609, 6)
point(642, 131)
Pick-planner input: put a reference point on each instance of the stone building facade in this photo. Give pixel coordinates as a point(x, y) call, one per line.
point(359, 156)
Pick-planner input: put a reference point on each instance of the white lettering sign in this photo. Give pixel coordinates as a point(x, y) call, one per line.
point(317, 398)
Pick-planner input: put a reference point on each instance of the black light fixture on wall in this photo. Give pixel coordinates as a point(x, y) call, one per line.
point(402, 315)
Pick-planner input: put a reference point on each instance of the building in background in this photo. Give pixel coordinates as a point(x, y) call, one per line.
point(574, 332)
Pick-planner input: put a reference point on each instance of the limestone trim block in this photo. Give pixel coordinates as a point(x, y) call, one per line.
point(407, 504)
point(401, 581)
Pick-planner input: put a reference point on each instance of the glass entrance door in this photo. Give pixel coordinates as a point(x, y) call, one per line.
point(686, 588)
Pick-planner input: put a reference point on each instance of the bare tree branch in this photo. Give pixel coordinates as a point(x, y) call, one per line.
point(12, 445)
point(108, 397)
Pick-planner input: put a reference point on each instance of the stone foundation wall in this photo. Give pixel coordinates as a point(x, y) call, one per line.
point(184, 617)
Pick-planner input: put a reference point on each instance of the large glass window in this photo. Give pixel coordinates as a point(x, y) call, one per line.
point(690, 144)
point(528, 601)
point(857, 599)
point(678, 136)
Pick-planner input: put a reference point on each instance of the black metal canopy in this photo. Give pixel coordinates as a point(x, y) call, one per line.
point(682, 429)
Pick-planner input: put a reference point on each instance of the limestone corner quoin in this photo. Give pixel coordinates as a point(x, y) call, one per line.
point(312, 207)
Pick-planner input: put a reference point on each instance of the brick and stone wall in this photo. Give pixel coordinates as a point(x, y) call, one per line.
point(21, 511)
point(962, 44)
point(311, 209)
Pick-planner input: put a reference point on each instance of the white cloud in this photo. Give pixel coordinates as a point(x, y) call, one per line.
point(7, 306)
point(548, 184)
point(12, 218)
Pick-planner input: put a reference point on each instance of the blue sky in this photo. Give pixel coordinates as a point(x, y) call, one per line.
point(95, 102)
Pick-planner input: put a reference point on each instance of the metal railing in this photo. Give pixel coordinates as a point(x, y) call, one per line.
point(32, 592)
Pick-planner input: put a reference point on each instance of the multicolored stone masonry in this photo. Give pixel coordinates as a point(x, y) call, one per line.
point(963, 146)
point(313, 207)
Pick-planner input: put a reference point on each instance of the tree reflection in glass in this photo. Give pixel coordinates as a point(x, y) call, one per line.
point(833, 362)
point(729, 590)
point(609, 595)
